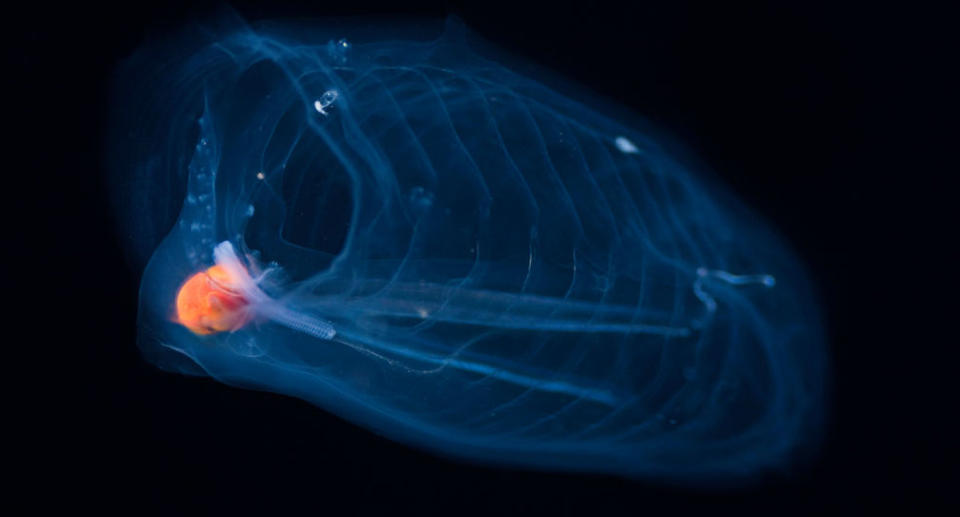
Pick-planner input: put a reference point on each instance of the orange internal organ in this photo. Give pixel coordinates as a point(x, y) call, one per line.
point(206, 303)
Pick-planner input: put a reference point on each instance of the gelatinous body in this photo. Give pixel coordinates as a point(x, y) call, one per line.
point(407, 233)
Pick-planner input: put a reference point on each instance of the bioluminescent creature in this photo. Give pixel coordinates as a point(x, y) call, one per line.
point(405, 232)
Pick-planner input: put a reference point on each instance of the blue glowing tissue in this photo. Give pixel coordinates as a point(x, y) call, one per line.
point(400, 229)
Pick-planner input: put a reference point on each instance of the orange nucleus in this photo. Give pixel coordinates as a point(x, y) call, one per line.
point(206, 303)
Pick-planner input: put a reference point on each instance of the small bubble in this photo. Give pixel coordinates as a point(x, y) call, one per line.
point(625, 145)
point(421, 199)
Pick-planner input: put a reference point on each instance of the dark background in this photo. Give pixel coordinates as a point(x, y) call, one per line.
point(819, 116)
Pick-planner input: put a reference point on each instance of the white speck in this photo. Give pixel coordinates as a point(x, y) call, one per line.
point(625, 145)
point(260, 176)
point(422, 312)
point(338, 50)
